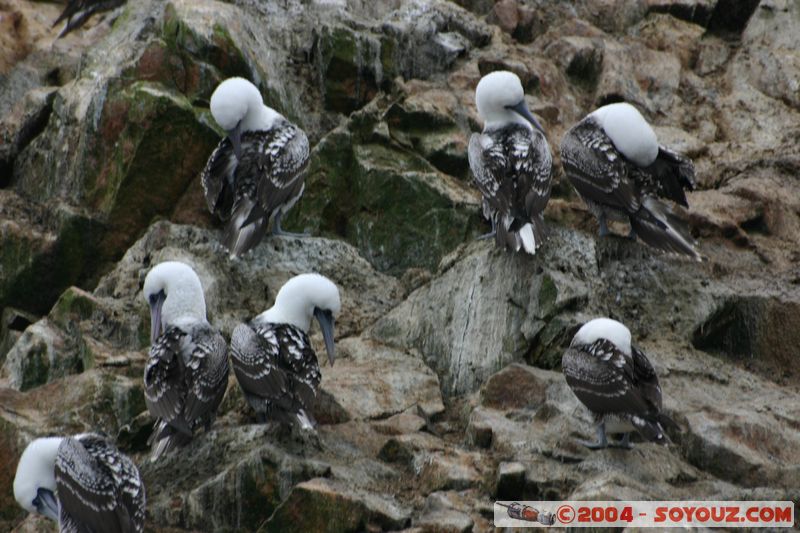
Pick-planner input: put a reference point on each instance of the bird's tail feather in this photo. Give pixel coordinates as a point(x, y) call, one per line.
point(668, 423)
point(306, 420)
point(245, 228)
point(527, 236)
point(651, 430)
point(661, 227)
point(166, 438)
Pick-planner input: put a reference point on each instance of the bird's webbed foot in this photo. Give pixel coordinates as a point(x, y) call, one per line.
point(602, 441)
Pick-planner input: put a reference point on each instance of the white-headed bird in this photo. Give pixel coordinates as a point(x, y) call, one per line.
point(511, 163)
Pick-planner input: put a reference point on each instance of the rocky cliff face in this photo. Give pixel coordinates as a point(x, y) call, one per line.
point(446, 393)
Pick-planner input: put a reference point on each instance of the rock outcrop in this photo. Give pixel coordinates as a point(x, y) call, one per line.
point(447, 391)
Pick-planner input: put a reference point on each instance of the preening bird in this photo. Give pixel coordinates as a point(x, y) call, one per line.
point(256, 173)
point(614, 161)
point(77, 12)
point(273, 359)
point(82, 482)
point(616, 381)
point(187, 369)
point(511, 163)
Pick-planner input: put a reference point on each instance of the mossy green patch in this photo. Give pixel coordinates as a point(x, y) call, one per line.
point(385, 201)
point(73, 304)
point(35, 367)
point(348, 64)
point(37, 274)
point(548, 295)
point(161, 150)
point(9, 455)
point(548, 346)
point(332, 512)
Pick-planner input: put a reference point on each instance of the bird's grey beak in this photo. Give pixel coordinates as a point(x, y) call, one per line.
point(46, 503)
point(156, 303)
point(235, 135)
point(522, 109)
point(325, 319)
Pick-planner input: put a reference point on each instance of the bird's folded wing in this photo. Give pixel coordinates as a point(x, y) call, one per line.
point(596, 169)
point(87, 493)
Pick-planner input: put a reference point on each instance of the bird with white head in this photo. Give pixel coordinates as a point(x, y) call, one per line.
point(511, 163)
point(187, 369)
point(273, 359)
point(500, 100)
point(613, 159)
point(257, 172)
point(616, 381)
point(82, 482)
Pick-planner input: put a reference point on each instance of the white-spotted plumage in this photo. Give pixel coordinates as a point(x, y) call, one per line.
point(256, 173)
point(511, 163)
point(615, 381)
point(83, 482)
point(613, 159)
point(187, 368)
point(273, 359)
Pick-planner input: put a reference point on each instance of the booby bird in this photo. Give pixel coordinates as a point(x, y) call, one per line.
point(273, 359)
point(511, 163)
point(83, 482)
point(77, 12)
point(616, 381)
point(613, 159)
point(257, 172)
point(187, 368)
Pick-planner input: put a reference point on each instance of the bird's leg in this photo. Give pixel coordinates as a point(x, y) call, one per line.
point(602, 441)
point(601, 219)
point(624, 442)
point(305, 436)
point(278, 232)
point(491, 234)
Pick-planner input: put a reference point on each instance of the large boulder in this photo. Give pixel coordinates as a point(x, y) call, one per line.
point(469, 321)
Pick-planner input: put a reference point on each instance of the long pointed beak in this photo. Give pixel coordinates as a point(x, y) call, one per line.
point(235, 135)
point(48, 504)
point(155, 316)
point(325, 319)
point(522, 109)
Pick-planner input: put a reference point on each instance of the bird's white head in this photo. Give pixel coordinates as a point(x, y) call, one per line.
point(237, 106)
point(173, 292)
point(303, 297)
point(233, 100)
point(501, 101)
point(604, 328)
point(35, 481)
point(629, 131)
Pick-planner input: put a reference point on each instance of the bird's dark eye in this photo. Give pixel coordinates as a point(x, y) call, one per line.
point(154, 298)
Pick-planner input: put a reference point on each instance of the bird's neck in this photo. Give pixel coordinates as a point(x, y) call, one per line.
point(184, 302)
point(503, 119)
point(287, 313)
point(261, 118)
